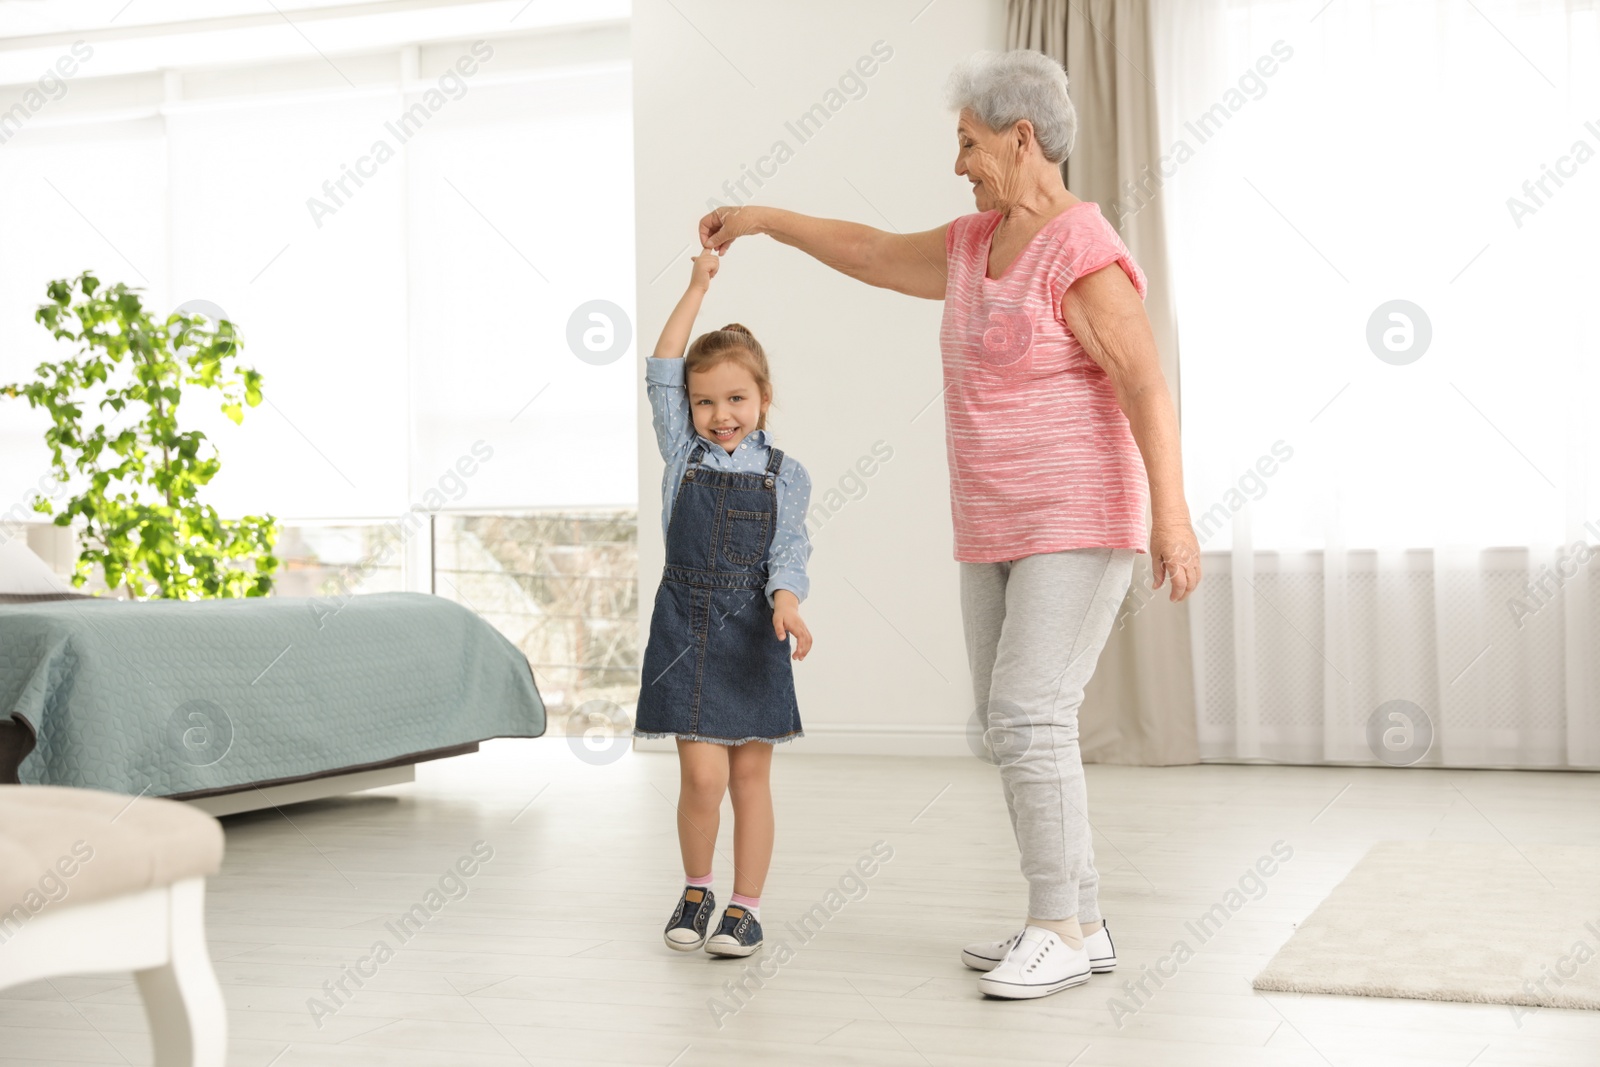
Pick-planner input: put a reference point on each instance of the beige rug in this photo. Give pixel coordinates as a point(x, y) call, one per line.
point(1408, 920)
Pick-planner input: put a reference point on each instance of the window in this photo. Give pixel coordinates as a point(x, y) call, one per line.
point(402, 210)
point(1322, 165)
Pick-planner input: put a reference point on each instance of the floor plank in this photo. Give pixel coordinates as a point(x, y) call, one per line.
point(550, 952)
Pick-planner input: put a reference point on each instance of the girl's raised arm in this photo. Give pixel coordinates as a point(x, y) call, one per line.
point(664, 373)
point(675, 335)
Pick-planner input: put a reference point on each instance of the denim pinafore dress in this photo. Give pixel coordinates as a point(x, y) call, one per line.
point(713, 668)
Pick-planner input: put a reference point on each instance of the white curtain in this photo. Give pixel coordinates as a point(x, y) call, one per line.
point(1382, 225)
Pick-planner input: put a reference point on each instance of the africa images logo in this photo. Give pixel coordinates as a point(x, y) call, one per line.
point(1007, 340)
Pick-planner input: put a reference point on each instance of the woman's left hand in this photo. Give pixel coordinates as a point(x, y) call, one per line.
point(1174, 551)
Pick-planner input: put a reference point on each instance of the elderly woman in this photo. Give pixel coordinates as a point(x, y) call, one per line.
point(1059, 431)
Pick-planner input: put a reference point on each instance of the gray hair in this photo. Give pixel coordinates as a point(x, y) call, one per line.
point(1005, 87)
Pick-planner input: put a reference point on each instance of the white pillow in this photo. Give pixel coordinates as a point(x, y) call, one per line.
point(21, 571)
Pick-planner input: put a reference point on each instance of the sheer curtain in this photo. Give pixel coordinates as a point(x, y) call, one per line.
point(1382, 217)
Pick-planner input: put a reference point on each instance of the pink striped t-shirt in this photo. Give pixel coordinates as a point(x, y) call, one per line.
point(1041, 455)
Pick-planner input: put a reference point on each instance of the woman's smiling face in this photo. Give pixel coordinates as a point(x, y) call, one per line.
point(986, 158)
point(725, 402)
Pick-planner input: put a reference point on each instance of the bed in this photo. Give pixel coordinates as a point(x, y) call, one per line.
point(241, 704)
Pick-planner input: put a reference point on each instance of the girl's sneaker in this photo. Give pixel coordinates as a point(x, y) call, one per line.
point(686, 930)
point(738, 935)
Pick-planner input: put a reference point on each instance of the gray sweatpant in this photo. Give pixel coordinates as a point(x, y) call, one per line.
point(1034, 628)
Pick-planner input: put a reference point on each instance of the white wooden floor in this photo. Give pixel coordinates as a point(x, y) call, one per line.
point(554, 956)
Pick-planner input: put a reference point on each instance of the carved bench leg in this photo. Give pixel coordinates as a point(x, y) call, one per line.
point(188, 1019)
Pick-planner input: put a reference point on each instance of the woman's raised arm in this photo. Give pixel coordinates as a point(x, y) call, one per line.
point(910, 263)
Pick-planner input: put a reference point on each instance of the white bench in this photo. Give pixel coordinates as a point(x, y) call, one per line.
point(93, 882)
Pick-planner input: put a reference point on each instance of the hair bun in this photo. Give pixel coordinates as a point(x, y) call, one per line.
point(735, 327)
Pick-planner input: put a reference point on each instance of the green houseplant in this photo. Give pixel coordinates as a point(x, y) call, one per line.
point(138, 480)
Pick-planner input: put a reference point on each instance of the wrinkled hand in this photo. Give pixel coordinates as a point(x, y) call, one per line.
point(720, 227)
point(1174, 551)
point(705, 268)
point(786, 620)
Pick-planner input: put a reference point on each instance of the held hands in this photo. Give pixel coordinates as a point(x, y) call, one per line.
point(1174, 551)
point(720, 226)
point(786, 620)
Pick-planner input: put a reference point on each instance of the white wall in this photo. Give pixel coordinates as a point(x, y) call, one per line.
point(852, 365)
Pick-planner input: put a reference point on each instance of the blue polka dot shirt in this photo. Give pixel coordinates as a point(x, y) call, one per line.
point(675, 436)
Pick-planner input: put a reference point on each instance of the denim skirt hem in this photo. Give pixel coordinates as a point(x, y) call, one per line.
point(650, 735)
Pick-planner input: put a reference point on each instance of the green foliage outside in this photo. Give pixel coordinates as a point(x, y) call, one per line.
point(138, 508)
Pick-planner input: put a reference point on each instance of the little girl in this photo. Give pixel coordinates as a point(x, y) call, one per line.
point(717, 674)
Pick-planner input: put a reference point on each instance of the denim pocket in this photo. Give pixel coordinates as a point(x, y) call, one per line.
point(744, 537)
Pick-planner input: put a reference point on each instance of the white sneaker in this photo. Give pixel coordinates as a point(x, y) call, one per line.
point(1038, 964)
point(1102, 953)
point(986, 955)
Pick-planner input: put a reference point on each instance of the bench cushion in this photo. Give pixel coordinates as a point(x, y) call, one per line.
point(62, 847)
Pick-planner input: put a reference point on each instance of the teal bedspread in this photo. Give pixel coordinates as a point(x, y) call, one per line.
point(170, 697)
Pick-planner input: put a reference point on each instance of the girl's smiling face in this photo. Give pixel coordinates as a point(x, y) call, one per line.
point(726, 403)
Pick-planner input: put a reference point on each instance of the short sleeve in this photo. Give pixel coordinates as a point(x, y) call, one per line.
point(963, 241)
point(1087, 243)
